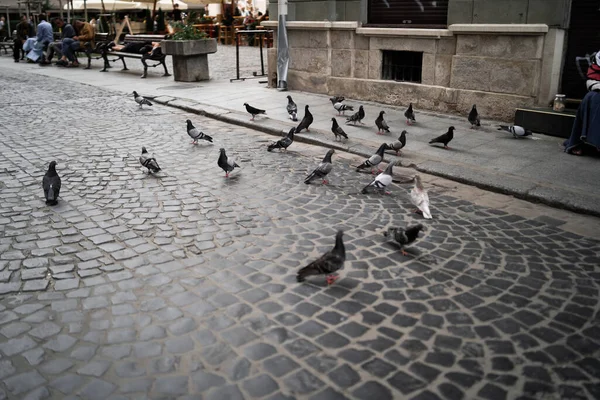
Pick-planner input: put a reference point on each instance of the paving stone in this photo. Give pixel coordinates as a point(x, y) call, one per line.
point(179, 345)
point(67, 383)
point(14, 329)
point(260, 386)
point(95, 368)
point(24, 382)
point(259, 351)
point(303, 382)
point(344, 376)
point(17, 345)
point(372, 390)
point(97, 389)
point(171, 385)
point(45, 330)
point(60, 343)
point(280, 365)
point(203, 381)
point(34, 356)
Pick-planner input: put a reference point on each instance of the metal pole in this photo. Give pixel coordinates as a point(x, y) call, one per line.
point(85, 10)
point(262, 62)
point(8, 23)
point(237, 54)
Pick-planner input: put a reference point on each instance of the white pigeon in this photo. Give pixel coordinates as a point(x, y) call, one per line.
point(341, 108)
point(516, 130)
point(141, 100)
point(419, 197)
point(381, 181)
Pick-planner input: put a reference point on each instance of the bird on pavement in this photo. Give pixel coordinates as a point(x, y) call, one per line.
point(253, 111)
point(322, 170)
point(420, 198)
point(141, 100)
point(328, 264)
point(341, 108)
point(292, 109)
point(404, 236)
point(516, 130)
point(399, 144)
point(225, 163)
point(337, 99)
point(381, 181)
point(409, 114)
point(445, 138)
point(149, 162)
point(306, 121)
point(337, 130)
point(283, 143)
point(195, 134)
point(357, 116)
point(51, 185)
point(474, 117)
point(374, 160)
point(382, 126)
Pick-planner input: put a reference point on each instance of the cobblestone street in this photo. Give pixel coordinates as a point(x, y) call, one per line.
point(182, 285)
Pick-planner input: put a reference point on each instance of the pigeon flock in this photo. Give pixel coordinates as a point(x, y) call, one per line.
point(333, 260)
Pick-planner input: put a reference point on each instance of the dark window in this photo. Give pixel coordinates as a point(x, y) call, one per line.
point(403, 66)
point(408, 13)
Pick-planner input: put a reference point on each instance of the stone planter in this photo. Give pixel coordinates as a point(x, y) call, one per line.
point(190, 58)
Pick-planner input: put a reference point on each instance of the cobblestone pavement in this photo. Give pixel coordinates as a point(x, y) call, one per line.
point(182, 285)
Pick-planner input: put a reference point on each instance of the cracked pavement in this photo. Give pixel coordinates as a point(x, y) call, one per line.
point(182, 285)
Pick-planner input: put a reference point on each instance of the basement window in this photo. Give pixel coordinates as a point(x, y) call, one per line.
point(402, 66)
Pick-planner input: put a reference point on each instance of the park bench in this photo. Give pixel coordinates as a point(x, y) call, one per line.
point(97, 52)
point(143, 57)
point(5, 44)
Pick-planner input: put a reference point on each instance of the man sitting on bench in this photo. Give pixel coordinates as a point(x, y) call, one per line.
point(70, 45)
point(24, 31)
point(67, 32)
point(44, 37)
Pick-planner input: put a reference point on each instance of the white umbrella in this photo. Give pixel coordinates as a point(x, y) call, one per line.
point(111, 5)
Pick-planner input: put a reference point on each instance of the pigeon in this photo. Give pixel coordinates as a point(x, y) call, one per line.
point(292, 109)
point(149, 162)
point(141, 100)
point(516, 130)
point(51, 185)
point(382, 126)
point(445, 138)
point(253, 111)
point(409, 114)
point(195, 134)
point(225, 163)
point(357, 116)
point(283, 143)
point(337, 130)
point(306, 121)
point(404, 236)
point(341, 108)
point(375, 159)
point(474, 117)
point(399, 144)
point(328, 263)
point(381, 181)
point(322, 170)
point(419, 197)
point(337, 99)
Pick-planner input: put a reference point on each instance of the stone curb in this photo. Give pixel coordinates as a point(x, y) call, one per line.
point(509, 185)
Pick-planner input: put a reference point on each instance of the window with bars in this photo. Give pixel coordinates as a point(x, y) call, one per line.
point(402, 66)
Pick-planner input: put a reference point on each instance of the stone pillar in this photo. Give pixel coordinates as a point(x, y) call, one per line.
point(552, 59)
point(190, 58)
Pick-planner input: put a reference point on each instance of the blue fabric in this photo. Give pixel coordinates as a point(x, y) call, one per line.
point(586, 129)
point(35, 49)
point(68, 48)
point(44, 32)
point(68, 31)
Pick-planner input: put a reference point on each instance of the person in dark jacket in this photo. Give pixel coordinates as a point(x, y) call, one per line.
point(24, 31)
point(67, 31)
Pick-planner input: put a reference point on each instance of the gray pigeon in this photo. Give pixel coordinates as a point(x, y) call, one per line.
point(474, 117)
point(253, 111)
point(374, 160)
point(149, 162)
point(404, 236)
point(357, 116)
point(381, 181)
point(292, 109)
point(516, 130)
point(141, 100)
point(341, 108)
point(399, 144)
point(382, 126)
point(337, 99)
point(328, 264)
point(283, 143)
point(445, 138)
point(322, 170)
point(51, 185)
point(306, 121)
point(195, 134)
point(409, 114)
point(337, 130)
point(225, 163)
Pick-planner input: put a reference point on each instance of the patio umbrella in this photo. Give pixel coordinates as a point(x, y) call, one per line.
point(109, 5)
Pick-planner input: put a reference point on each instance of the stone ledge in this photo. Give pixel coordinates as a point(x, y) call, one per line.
point(428, 33)
point(315, 25)
point(494, 29)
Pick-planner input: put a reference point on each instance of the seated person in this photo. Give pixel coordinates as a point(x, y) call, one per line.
point(150, 48)
point(67, 32)
point(586, 129)
point(71, 45)
point(24, 31)
point(44, 37)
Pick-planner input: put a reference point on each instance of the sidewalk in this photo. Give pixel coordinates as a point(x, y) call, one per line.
point(533, 169)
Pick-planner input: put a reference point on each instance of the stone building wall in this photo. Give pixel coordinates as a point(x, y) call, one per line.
point(498, 67)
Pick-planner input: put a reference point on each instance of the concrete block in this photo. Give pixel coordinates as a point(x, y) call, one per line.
point(341, 63)
point(494, 106)
point(500, 12)
point(190, 69)
point(468, 44)
point(361, 64)
point(315, 61)
point(299, 80)
point(519, 77)
point(470, 73)
point(406, 44)
point(443, 69)
point(428, 69)
point(272, 67)
point(446, 46)
point(361, 42)
point(341, 39)
point(375, 62)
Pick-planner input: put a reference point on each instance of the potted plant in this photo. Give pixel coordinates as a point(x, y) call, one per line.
point(189, 48)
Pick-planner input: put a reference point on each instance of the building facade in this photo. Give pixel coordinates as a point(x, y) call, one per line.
point(441, 55)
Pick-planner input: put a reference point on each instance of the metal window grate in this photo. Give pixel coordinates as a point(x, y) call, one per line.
point(402, 66)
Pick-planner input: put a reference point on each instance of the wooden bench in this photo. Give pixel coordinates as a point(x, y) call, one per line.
point(143, 57)
point(97, 52)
